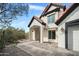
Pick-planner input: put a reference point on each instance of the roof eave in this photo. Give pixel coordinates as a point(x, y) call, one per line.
point(55, 10)
point(34, 17)
point(31, 21)
point(48, 6)
point(66, 13)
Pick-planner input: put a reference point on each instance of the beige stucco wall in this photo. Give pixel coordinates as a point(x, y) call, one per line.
point(45, 35)
point(44, 31)
point(61, 35)
point(45, 19)
point(38, 30)
point(35, 23)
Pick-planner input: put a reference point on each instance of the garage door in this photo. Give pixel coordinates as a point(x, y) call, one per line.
point(73, 38)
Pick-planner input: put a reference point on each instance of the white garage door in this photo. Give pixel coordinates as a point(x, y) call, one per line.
point(73, 38)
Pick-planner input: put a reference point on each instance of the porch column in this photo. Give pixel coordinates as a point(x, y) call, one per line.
point(41, 35)
point(30, 34)
point(33, 35)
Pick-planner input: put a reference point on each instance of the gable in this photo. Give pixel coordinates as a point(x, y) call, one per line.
point(51, 8)
point(36, 19)
point(35, 22)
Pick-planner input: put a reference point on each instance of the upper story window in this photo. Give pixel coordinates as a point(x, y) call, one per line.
point(51, 18)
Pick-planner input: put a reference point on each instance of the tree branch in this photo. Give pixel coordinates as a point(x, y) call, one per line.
point(2, 11)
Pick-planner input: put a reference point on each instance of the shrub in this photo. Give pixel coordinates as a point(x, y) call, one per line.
point(27, 35)
point(11, 35)
point(2, 43)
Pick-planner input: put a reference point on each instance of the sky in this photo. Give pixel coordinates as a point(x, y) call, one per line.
point(35, 9)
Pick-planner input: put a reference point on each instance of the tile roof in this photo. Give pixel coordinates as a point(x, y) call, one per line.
point(66, 13)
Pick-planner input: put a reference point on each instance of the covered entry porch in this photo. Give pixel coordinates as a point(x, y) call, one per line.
point(35, 33)
point(36, 26)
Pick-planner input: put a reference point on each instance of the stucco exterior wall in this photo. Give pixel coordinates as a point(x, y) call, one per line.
point(45, 19)
point(57, 14)
point(45, 35)
point(61, 35)
point(37, 29)
point(43, 31)
point(35, 23)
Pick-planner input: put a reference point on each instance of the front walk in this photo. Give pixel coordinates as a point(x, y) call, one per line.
point(35, 48)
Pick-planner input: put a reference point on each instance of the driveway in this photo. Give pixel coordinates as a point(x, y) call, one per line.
point(35, 48)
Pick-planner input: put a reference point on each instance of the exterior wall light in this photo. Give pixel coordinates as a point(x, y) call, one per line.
point(62, 29)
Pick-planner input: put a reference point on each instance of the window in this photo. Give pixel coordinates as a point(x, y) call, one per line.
point(51, 34)
point(51, 19)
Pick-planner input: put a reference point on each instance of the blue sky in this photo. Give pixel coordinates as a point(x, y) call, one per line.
point(35, 9)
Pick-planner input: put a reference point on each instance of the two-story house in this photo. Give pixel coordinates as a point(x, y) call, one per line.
point(57, 24)
point(68, 28)
point(43, 28)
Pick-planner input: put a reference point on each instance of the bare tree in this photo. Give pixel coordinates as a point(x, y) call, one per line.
point(10, 12)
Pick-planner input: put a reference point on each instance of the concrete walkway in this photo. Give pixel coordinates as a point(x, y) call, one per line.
point(35, 48)
point(12, 50)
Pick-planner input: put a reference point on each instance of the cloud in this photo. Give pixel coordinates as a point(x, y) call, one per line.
point(35, 7)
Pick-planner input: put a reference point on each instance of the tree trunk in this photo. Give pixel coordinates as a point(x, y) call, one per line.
point(2, 41)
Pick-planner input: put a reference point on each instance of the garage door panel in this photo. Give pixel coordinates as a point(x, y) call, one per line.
point(73, 37)
point(70, 38)
point(76, 39)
